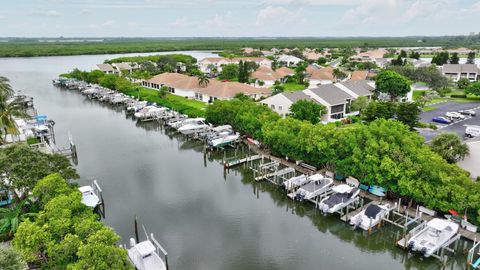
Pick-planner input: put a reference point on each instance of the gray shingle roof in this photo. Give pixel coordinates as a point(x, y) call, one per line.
point(296, 96)
point(331, 94)
point(359, 87)
point(460, 68)
point(105, 67)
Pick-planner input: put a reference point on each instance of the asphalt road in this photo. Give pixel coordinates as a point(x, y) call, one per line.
point(457, 126)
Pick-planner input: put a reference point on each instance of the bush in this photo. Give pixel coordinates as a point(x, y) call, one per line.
point(458, 96)
point(444, 91)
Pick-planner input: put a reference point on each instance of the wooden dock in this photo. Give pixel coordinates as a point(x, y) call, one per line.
point(237, 162)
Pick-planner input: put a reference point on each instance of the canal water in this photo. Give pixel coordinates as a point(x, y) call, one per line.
point(205, 218)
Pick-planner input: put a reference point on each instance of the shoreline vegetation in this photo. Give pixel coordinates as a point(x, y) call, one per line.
point(384, 153)
point(15, 47)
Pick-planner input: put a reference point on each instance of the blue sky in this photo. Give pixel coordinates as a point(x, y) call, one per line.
point(231, 18)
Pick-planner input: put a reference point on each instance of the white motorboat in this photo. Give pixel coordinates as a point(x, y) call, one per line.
point(182, 122)
point(344, 195)
point(370, 216)
point(436, 233)
point(223, 139)
point(145, 255)
point(149, 112)
point(89, 197)
point(193, 127)
point(295, 182)
point(136, 106)
point(317, 185)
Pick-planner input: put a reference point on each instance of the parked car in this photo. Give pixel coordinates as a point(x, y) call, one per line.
point(468, 112)
point(455, 115)
point(442, 120)
point(472, 131)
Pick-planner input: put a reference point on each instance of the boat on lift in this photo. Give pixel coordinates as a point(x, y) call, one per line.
point(196, 126)
point(89, 194)
point(370, 217)
point(344, 195)
point(436, 233)
point(317, 185)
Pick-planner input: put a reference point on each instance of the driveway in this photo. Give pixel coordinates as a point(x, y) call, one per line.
point(457, 126)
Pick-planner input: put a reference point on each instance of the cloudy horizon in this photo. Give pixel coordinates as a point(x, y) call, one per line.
point(235, 18)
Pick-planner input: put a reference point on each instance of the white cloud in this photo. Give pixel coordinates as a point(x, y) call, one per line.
point(219, 21)
point(476, 6)
point(279, 16)
point(180, 22)
point(109, 23)
point(46, 13)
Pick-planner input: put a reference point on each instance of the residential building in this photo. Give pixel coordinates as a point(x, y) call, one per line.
point(281, 103)
point(369, 56)
point(358, 88)
point(359, 75)
point(471, 161)
point(288, 60)
point(211, 64)
point(459, 71)
point(228, 90)
point(333, 98)
point(269, 76)
point(318, 76)
point(123, 67)
point(189, 87)
point(106, 68)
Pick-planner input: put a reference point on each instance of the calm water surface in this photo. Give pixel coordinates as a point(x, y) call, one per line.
point(205, 218)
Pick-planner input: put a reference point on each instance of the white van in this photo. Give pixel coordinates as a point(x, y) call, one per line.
point(472, 131)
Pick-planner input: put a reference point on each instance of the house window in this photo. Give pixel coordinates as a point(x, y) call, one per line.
point(280, 108)
point(337, 116)
point(272, 107)
point(337, 108)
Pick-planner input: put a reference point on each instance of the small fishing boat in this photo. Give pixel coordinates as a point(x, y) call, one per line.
point(89, 196)
point(295, 182)
point(193, 127)
point(182, 122)
point(317, 185)
point(344, 195)
point(223, 140)
point(149, 112)
point(436, 233)
point(370, 216)
point(145, 255)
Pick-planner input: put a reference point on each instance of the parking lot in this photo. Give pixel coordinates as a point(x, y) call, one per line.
point(457, 126)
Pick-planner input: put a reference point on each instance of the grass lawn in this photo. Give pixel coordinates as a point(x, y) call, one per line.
point(469, 98)
point(190, 107)
point(292, 87)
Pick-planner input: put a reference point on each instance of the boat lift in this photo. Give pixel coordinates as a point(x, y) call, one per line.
point(474, 251)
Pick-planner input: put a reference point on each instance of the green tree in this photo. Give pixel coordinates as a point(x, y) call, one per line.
point(10, 218)
point(414, 55)
point(339, 74)
point(321, 61)
point(397, 62)
point(307, 110)
point(9, 110)
point(109, 81)
point(473, 89)
point(449, 146)
point(203, 80)
point(440, 58)
point(463, 83)
point(229, 72)
point(471, 58)
point(454, 59)
point(25, 166)
point(359, 104)
point(49, 187)
point(408, 113)
point(163, 91)
point(403, 54)
point(277, 88)
point(376, 110)
point(11, 260)
point(300, 72)
point(94, 76)
point(392, 83)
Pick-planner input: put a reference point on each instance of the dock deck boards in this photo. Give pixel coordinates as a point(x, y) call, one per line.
point(243, 160)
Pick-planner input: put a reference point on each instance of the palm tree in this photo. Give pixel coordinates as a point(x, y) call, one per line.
point(450, 147)
point(203, 80)
point(8, 110)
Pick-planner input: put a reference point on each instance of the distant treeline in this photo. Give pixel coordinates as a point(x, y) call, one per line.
point(32, 47)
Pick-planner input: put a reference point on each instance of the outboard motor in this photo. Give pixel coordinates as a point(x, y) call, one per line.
point(424, 251)
point(325, 209)
point(410, 246)
point(357, 222)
